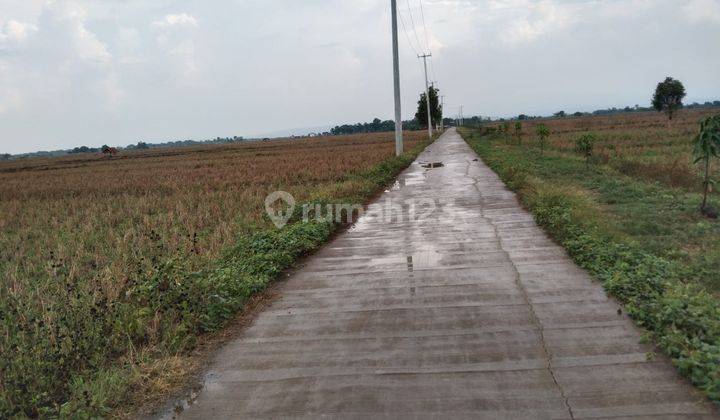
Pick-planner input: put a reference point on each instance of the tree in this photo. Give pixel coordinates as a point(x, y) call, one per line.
point(142, 145)
point(435, 108)
point(107, 150)
point(82, 149)
point(668, 96)
point(706, 147)
point(543, 133)
point(584, 145)
point(560, 114)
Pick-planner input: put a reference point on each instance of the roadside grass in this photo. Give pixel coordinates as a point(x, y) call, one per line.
point(644, 240)
point(113, 269)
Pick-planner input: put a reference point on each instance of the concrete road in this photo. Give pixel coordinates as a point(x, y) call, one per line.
point(468, 311)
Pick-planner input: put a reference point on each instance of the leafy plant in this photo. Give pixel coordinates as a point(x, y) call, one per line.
point(543, 133)
point(518, 130)
point(585, 145)
point(706, 147)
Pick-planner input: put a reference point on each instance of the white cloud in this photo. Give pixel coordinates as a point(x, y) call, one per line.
point(53, 59)
point(67, 21)
point(528, 21)
point(179, 46)
point(184, 55)
point(89, 47)
point(14, 31)
point(702, 11)
point(182, 19)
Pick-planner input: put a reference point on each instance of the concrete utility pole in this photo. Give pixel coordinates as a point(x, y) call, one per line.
point(396, 75)
point(427, 93)
point(442, 113)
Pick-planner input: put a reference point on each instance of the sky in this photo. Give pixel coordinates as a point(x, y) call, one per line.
point(93, 72)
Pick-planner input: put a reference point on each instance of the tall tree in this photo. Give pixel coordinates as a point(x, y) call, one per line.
point(435, 108)
point(668, 96)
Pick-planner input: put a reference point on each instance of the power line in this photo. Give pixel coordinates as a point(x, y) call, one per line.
point(412, 21)
point(432, 69)
point(427, 40)
point(427, 37)
point(402, 22)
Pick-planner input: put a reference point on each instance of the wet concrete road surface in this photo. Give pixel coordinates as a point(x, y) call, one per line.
point(466, 311)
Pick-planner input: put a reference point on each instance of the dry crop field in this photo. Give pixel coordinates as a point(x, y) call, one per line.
point(95, 253)
point(644, 145)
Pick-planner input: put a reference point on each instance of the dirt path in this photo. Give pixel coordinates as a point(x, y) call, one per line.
point(470, 311)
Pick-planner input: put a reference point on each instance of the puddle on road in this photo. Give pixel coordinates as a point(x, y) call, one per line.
point(428, 259)
point(398, 185)
point(415, 179)
point(178, 406)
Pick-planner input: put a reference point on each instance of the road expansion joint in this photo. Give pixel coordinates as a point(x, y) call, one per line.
point(535, 319)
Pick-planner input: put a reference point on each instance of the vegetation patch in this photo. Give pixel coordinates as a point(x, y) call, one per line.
point(606, 220)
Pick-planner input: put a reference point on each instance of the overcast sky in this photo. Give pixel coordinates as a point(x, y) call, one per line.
point(119, 71)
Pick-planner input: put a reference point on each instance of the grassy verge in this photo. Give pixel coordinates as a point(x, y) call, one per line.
point(103, 352)
point(635, 237)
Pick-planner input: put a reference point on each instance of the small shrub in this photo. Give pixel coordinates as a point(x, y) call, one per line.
point(543, 133)
point(585, 145)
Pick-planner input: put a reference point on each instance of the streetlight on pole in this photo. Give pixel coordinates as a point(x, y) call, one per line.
point(396, 76)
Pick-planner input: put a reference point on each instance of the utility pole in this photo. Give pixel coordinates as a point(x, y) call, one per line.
point(396, 76)
point(442, 113)
point(427, 93)
point(462, 117)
